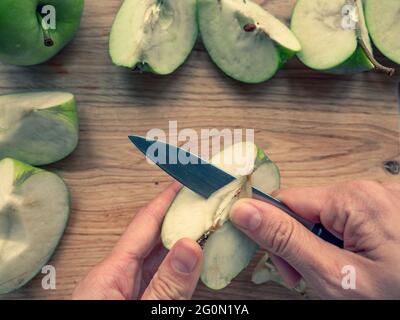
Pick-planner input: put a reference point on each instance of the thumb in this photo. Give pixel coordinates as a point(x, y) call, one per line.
point(283, 236)
point(177, 277)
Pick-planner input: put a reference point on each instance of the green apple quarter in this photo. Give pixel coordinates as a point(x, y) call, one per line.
point(38, 127)
point(227, 251)
point(154, 35)
point(244, 40)
point(23, 39)
point(383, 21)
point(34, 210)
point(334, 36)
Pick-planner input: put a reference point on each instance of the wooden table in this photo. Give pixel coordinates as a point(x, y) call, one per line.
point(318, 128)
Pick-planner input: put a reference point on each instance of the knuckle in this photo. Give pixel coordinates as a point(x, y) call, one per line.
point(279, 235)
point(163, 288)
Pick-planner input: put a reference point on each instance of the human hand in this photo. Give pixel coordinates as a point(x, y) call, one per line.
point(366, 215)
point(140, 268)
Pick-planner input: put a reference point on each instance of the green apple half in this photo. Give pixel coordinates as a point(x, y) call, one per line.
point(227, 251)
point(383, 21)
point(332, 41)
point(245, 40)
point(23, 39)
point(34, 210)
point(154, 35)
point(38, 127)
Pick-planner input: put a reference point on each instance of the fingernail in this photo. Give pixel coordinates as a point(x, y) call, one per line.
point(184, 259)
point(246, 216)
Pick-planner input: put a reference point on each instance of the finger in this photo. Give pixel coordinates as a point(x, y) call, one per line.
point(177, 277)
point(143, 233)
point(283, 236)
point(306, 202)
point(287, 272)
point(394, 187)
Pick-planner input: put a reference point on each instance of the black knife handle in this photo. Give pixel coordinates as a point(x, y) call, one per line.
point(317, 229)
point(324, 234)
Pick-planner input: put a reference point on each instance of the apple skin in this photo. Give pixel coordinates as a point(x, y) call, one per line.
point(21, 36)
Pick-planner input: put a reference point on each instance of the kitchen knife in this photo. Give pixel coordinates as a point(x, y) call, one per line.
point(204, 179)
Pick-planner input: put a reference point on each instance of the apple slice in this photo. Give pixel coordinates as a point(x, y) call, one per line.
point(38, 127)
point(383, 21)
point(34, 209)
point(333, 36)
point(154, 35)
point(245, 40)
point(227, 251)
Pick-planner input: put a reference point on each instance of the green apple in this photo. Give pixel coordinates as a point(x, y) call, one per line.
point(24, 37)
point(154, 35)
point(244, 40)
point(34, 210)
point(334, 36)
point(38, 127)
point(383, 21)
point(227, 251)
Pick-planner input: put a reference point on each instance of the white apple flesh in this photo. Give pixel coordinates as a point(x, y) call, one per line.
point(334, 36)
point(38, 127)
point(383, 21)
point(154, 35)
point(244, 40)
point(34, 210)
point(227, 251)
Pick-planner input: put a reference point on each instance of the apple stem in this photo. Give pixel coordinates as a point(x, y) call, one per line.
point(48, 41)
point(378, 66)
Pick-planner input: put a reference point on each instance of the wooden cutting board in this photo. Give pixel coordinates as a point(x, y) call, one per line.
point(318, 128)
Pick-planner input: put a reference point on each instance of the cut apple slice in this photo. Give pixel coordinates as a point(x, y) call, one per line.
point(34, 209)
point(38, 128)
point(334, 36)
point(244, 40)
point(227, 251)
point(383, 20)
point(154, 35)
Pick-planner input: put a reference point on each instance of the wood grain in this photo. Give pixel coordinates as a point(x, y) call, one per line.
point(318, 128)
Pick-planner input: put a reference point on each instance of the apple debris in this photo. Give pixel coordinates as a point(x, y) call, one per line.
point(265, 272)
point(38, 127)
point(227, 251)
point(34, 210)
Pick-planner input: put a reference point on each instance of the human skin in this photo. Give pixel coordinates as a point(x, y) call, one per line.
point(365, 214)
point(139, 267)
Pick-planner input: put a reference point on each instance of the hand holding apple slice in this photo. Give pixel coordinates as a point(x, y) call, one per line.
point(334, 36)
point(154, 35)
point(39, 127)
point(34, 209)
point(24, 40)
point(244, 40)
point(227, 251)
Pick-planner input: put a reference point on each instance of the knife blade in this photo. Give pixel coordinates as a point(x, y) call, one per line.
point(204, 179)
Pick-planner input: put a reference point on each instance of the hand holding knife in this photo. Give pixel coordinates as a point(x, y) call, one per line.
point(204, 179)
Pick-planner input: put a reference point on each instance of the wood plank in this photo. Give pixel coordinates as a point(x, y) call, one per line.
point(318, 128)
